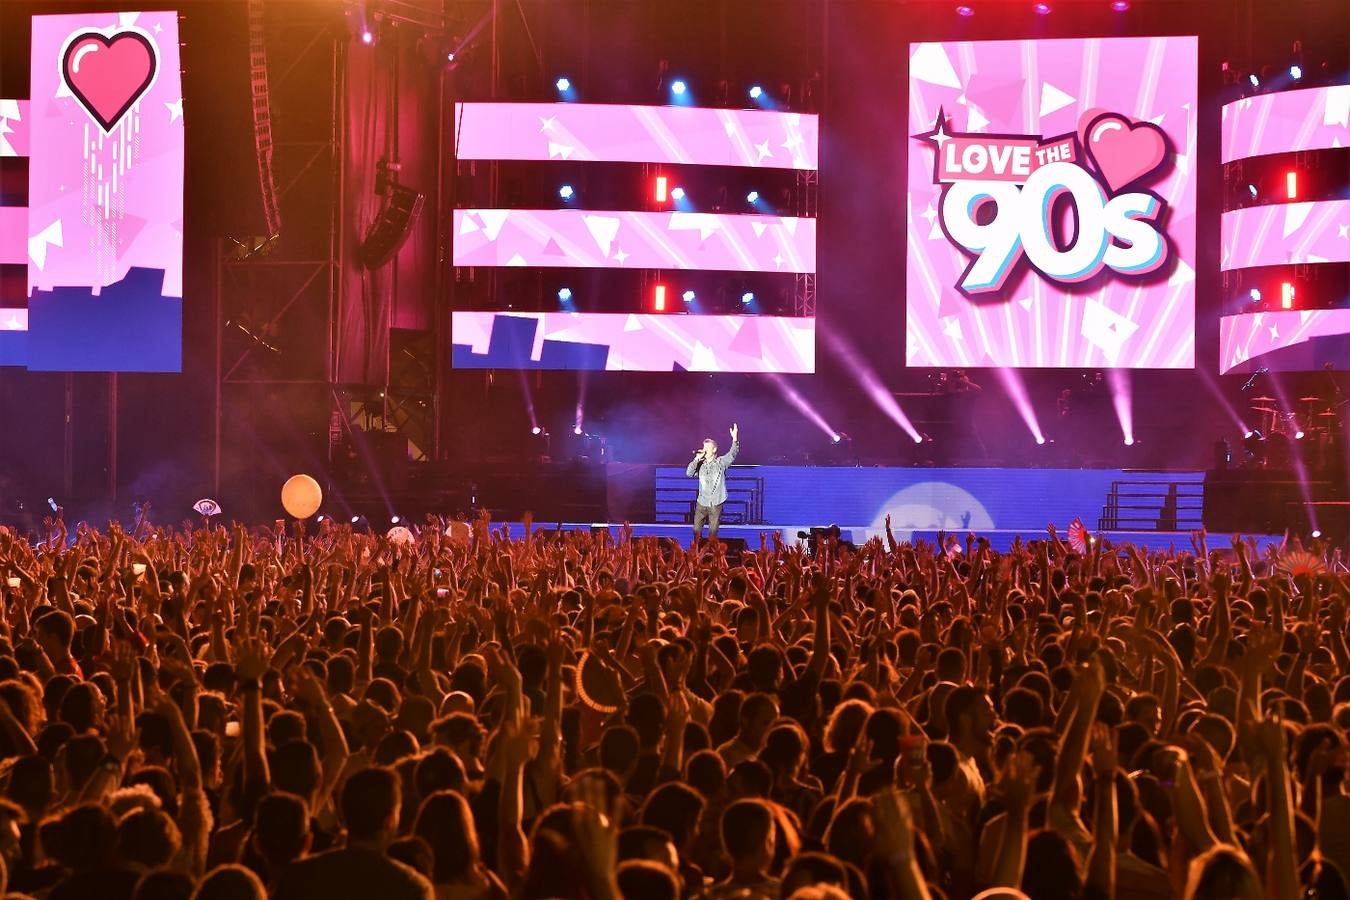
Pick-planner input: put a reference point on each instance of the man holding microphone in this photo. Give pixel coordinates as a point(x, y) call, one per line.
point(711, 470)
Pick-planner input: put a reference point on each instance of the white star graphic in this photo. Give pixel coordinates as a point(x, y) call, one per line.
point(940, 136)
point(930, 214)
point(547, 124)
point(158, 28)
point(1343, 231)
point(12, 323)
point(175, 109)
point(764, 151)
point(778, 260)
point(792, 142)
point(1274, 334)
point(620, 256)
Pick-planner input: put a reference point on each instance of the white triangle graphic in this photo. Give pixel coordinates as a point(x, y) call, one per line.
point(603, 230)
point(493, 220)
point(929, 63)
point(1053, 99)
point(1295, 214)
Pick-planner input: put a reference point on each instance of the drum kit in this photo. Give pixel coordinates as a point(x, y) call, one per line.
point(1313, 421)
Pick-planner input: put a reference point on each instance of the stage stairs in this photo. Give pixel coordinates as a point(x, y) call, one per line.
point(1165, 501)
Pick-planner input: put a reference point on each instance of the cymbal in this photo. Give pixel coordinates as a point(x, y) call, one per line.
point(1264, 409)
point(1264, 400)
point(1330, 412)
point(1308, 399)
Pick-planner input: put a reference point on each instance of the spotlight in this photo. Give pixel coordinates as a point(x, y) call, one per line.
point(1040, 439)
point(659, 298)
point(1041, 9)
point(689, 296)
point(1291, 183)
point(965, 11)
point(450, 57)
point(563, 84)
point(1255, 82)
point(355, 519)
point(1256, 295)
point(1296, 72)
point(1287, 295)
point(1120, 5)
point(752, 197)
point(756, 92)
point(1298, 435)
point(919, 438)
point(748, 297)
point(1247, 434)
point(677, 193)
point(367, 37)
point(536, 430)
point(576, 429)
point(1317, 532)
point(1129, 442)
point(566, 192)
point(659, 189)
point(1251, 189)
point(564, 294)
point(678, 87)
point(394, 520)
point(836, 437)
point(319, 518)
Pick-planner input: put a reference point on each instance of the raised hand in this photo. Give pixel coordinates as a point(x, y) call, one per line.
point(735, 431)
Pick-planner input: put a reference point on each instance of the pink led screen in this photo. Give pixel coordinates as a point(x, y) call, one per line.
point(583, 132)
point(634, 240)
point(633, 342)
point(1287, 121)
point(1245, 337)
point(102, 232)
point(1051, 203)
point(1289, 233)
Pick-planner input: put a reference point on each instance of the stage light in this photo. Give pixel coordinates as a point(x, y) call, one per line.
point(836, 437)
point(752, 197)
point(576, 429)
point(659, 191)
point(1040, 439)
point(1042, 9)
point(564, 294)
point(659, 298)
point(536, 431)
point(1298, 435)
point(1291, 183)
point(1251, 189)
point(394, 520)
point(1296, 72)
point(756, 92)
point(355, 519)
point(1255, 295)
point(801, 404)
point(563, 84)
point(748, 297)
point(1118, 382)
point(1287, 295)
point(367, 37)
point(319, 518)
point(965, 11)
point(689, 296)
point(566, 192)
point(1255, 82)
point(1317, 532)
point(871, 382)
point(1120, 5)
point(678, 87)
point(1017, 393)
point(450, 57)
point(677, 193)
point(1247, 434)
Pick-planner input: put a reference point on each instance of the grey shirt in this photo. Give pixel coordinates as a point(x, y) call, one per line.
point(712, 476)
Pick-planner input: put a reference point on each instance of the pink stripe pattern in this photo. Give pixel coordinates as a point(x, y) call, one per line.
point(1286, 234)
point(1287, 122)
point(592, 132)
point(1247, 336)
point(656, 343)
point(571, 238)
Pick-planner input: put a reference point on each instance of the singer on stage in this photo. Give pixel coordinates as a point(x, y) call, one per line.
point(711, 470)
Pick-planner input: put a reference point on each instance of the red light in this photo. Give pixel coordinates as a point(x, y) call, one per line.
point(1291, 183)
point(1287, 295)
point(660, 189)
point(659, 295)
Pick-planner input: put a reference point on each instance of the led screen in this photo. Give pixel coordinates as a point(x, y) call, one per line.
point(103, 228)
point(1051, 203)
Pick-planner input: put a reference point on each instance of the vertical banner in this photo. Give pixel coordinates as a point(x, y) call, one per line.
point(105, 193)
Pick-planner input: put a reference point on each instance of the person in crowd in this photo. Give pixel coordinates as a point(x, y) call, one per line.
point(232, 713)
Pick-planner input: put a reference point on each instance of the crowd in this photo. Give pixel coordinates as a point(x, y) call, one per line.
point(235, 714)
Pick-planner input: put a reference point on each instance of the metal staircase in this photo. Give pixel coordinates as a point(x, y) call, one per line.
point(1153, 505)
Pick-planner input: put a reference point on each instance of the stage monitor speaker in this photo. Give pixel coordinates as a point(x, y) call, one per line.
point(397, 216)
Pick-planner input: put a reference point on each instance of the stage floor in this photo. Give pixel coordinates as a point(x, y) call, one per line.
point(998, 539)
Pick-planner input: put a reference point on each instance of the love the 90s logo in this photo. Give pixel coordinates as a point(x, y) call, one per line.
point(1063, 206)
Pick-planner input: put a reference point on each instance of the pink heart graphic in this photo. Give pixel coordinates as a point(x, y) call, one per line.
point(108, 75)
point(1124, 151)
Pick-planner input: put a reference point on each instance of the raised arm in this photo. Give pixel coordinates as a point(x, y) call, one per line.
point(730, 456)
